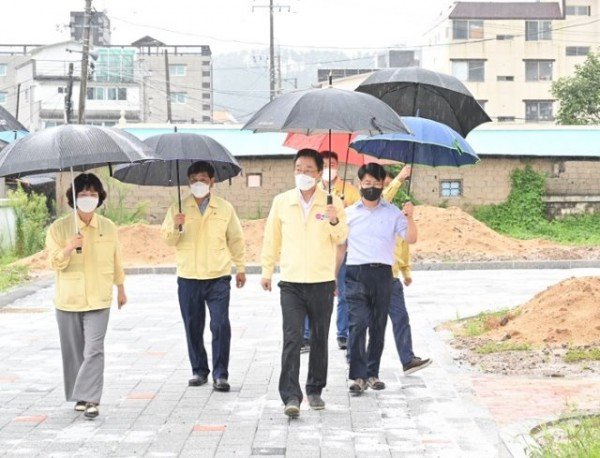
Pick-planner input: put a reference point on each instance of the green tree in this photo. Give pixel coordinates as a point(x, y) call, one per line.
point(579, 95)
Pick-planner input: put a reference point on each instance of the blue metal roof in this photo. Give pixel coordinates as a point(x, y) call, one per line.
point(559, 142)
point(546, 142)
point(239, 142)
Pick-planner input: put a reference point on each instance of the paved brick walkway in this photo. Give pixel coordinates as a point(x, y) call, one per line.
point(147, 408)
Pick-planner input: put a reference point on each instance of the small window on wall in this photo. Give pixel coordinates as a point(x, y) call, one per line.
point(254, 180)
point(450, 188)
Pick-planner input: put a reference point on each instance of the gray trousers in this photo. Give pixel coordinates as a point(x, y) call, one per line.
point(82, 346)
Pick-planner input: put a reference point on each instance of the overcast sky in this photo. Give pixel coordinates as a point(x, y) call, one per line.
point(229, 25)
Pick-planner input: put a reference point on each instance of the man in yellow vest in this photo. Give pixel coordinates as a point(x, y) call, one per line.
point(303, 232)
point(211, 240)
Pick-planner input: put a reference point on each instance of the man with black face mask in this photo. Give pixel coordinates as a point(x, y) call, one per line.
point(373, 226)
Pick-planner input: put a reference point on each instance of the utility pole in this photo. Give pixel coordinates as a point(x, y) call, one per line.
point(272, 75)
point(168, 83)
point(68, 95)
point(18, 101)
point(278, 59)
point(87, 19)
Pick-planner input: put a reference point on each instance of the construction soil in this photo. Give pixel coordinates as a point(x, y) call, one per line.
point(445, 235)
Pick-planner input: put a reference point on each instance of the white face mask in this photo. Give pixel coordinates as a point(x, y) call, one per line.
point(87, 204)
point(200, 189)
point(326, 174)
point(305, 182)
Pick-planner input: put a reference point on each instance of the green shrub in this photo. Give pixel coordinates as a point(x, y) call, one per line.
point(523, 214)
point(31, 219)
point(115, 207)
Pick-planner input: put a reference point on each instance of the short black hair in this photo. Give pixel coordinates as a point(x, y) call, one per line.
point(375, 170)
point(201, 167)
point(84, 182)
point(329, 154)
point(307, 152)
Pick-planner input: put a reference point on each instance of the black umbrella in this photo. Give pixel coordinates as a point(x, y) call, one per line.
point(328, 110)
point(175, 153)
point(70, 147)
point(415, 91)
point(9, 122)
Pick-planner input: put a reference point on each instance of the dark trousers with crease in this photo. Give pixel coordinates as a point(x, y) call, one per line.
point(193, 295)
point(368, 293)
point(298, 300)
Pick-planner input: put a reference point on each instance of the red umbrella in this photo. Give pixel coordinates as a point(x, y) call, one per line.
point(339, 145)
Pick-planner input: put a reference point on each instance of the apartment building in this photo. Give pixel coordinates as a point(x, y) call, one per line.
point(508, 53)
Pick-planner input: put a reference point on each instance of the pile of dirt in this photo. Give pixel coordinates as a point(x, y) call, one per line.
point(568, 312)
point(450, 235)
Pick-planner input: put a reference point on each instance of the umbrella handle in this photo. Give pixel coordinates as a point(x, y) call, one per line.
point(178, 189)
point(329, 199)
point(78, 250)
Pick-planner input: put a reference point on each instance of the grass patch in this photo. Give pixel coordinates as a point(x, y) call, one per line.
point(572, 438)
point(11, 275)
point(582, 354)
point(484, 322)
point(498, 347)
point(523, 215)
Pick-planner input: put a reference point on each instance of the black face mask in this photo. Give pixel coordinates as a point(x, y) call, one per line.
point(371, 194)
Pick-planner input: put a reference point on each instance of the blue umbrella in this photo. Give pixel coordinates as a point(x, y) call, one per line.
point(429, 143)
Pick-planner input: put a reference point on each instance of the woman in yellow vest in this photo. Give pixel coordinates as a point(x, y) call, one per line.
point(87, 266)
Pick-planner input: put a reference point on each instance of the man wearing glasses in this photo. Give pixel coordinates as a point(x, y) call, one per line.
point(373, 226)
point(302, 232)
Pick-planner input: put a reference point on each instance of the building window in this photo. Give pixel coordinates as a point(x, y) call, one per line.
point(205, 73)
point(469, 70)
point(538, 110)
point(538, 70)
point(179, 97)
point(205, 85)
point(506, 119)
point(578, 10)
point(205, 118)
point(505, 37)
point(254, 180)
point(538, 30)
point(206, 107)
point(114, 65)
point(505, 78)
point(106, 93)
point(2, 98)
point(578, 50)
point(178, 70)
point(450, 188)
point(467, 30)
point(3, 69)
point(206, 95)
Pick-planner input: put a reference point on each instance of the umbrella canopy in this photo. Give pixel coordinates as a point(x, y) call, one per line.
point(176, 152)
point(325, 111)
point(431, 143)
point(415, 91)
point(80, 147)
point(8, 122)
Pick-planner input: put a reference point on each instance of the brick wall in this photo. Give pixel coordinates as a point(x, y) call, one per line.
point(486, 183)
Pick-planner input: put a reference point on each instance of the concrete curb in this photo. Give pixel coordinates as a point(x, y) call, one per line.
point(46, 280)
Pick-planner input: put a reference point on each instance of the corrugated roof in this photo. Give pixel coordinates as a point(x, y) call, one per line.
point(560, 142)
point(506, 10)
point(241, 143)
point(543, 142)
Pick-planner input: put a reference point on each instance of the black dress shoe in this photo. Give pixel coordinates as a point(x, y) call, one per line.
point(197, 380)
point(221, 384)
point(342, 343)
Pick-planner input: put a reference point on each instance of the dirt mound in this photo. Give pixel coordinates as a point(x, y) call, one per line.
point(568, 312)
point(444, 235)
point(451, 234)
